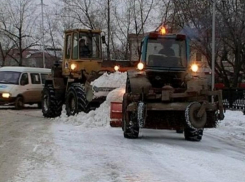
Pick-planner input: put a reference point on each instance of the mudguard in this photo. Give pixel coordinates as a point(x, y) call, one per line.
point(138, 82)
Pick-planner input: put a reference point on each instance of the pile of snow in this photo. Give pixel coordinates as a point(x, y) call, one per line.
point(95, 118)
point(233, 125)
point(115, 80)
point(101, 116)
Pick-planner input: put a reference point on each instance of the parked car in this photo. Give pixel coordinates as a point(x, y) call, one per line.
point(22, 85)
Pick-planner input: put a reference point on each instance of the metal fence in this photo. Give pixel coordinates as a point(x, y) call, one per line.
point(234, 99)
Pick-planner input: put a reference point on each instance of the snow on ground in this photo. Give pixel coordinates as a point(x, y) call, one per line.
point(99, 154)
point(233, 126)
point(84, 148)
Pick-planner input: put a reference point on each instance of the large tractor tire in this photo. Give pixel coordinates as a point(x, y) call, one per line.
point(131, 131)
point(51, 107)
point(194, 124)
point(124, 107)
point(76, 100)
point(193, 134)
point(129, 122)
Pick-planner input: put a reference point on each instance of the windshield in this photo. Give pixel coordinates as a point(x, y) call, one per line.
point(166, 52)
point(89, 45)
point(9, 77)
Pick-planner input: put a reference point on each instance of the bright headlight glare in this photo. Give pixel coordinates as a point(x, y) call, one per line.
point(116, 68)
point(5, 95)
point(73, 66)
point(140, 66)
point(194, 67)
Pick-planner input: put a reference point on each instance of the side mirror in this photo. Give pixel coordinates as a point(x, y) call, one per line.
point(103, 39)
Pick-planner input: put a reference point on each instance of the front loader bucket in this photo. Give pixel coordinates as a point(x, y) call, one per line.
point(116, 114)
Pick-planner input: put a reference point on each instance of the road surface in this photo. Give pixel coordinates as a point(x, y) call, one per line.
point(33, 148)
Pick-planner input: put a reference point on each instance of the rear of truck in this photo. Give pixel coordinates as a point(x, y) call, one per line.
point(167, 92)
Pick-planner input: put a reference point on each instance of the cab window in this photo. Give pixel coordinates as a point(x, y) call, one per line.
point(89, 45)
point(75, 46)
point(68, 47)
point(35, 78)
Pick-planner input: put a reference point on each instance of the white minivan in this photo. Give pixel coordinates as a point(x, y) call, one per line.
point(21, 85)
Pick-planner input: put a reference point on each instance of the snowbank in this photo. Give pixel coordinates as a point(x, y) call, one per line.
point(101, 116)
point(95, 118)
point(115, 80)
point(233, 125)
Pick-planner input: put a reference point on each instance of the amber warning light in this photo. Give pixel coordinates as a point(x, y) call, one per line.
point(163, 30)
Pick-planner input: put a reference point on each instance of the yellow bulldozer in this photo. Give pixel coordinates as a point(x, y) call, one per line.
point(70, 81)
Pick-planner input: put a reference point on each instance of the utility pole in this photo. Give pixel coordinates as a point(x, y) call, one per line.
point(109, 30)
point(44, 65)
point(213, 45)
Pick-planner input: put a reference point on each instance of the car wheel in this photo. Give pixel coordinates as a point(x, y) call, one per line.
point(19, 103)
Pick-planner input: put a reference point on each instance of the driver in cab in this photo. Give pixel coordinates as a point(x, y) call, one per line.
point(83, 49)
point(167, 50)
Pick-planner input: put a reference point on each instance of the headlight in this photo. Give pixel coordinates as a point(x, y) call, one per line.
point(194, 67)
point(116, 68)
point(73, 66)
point(140, 66)
point(5, 95)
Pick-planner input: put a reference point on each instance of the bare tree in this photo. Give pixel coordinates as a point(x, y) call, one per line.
point(5, 49)
point(82, 13)
point(122, 28)
point(54, 37)
point(18, 24)
point(232, 30)
point(196, 16)
point(132, 17)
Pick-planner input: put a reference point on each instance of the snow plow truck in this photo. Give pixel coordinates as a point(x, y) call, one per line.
point(165, 91)
point(70, 81)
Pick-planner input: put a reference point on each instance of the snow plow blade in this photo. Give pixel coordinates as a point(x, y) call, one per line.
point(116, 114)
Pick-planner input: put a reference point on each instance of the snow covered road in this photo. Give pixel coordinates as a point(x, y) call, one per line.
point(33, 148)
